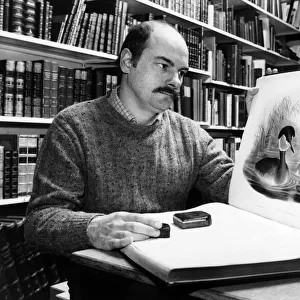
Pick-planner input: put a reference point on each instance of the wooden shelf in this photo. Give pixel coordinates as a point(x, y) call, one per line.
point(228, 86)
point(19, 200)
point(223, 128)
point(24, 125)
point(200, 73)
point(25, 120)
point(38, 47)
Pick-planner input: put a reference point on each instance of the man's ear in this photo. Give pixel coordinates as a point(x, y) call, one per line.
point(125, 60)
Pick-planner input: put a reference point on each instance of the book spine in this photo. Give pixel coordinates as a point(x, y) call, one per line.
point(19, 89)
point(31, 162)
point(9, 268)
point(83, 86)
point(109, 33)
point(50, 16)
point(17, 17)
point(22, 165)
point(116, 30)
point(17, 253)
point(75, 36)
point(30, 18)
point(68, 19)
point(77, 85)
point(7, 174)
point(1, 170)
point(2, 83)
point(7, 69)
point(28, 89)
point(62, 88)
point(102, 43)
point(71, 22)
point(70, 86)
point(76, 26)
point(83, 30)
point(37, 89)
point(122, 24)
point(89, 84)
point(46, 20)
point(108, 82)
point(6, 15)
point(88, 31)
point(39, 18)
point(46, 88)
point(115, 24)
point(14, 174)
point(98, 79)
point(54, 89)
point(4, 290)
point(97, 32)
point(1, 13)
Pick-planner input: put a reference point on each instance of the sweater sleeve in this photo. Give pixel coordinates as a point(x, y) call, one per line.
point(215, 170)
point(54, 217)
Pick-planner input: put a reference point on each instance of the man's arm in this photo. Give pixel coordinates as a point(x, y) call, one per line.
point(55, 219)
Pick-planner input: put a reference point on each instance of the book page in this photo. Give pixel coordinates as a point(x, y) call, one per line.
point(266, 177)
point(234, 237)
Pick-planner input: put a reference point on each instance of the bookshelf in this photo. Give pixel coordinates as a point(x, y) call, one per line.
point(21, 47)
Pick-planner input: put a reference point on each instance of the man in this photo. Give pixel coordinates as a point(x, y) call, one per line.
point(105, 162)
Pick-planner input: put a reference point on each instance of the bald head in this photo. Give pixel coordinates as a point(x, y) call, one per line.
point(139, 36)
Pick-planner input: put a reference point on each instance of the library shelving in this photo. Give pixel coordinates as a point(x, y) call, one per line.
point(15, 46)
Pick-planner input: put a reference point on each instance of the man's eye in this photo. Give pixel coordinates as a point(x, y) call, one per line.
point(181, 74)
point(161, 65)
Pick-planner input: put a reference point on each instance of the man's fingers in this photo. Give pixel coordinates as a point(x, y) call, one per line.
point(140, 218)
point(269, 71)
point(123, 239)
point(117, 243)
point(141, 228)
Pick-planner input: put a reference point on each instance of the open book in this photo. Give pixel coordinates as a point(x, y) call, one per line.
point(258, 233)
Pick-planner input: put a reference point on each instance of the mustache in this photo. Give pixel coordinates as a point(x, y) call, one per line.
point(166, 89)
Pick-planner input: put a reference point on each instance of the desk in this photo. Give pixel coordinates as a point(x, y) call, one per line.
point(114, 262)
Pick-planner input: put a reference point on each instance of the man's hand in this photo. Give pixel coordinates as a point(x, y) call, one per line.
point(120, 229)
point(252, 92)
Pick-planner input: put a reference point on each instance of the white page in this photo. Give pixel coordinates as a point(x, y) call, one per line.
point(276, 106)
point(235, 237)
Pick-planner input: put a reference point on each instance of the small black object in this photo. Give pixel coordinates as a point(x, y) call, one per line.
point(164, 231)
point(192, 219)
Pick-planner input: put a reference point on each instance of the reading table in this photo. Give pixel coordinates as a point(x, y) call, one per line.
point(114, 262)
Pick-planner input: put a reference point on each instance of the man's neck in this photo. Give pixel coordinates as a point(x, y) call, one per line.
point(142, 117)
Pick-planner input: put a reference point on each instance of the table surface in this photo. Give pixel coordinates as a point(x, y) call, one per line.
point(115, 262)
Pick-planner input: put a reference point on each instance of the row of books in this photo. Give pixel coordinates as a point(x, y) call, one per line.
point(100, 31)
point(226, 63)
point(245, 23)
point(195, 9)
point(292, 13)
point(18, 156)
point(27, 17)
point(199, 9)
point(230, 145)
point(42, 88)
point(205, 103)
point(25, 273)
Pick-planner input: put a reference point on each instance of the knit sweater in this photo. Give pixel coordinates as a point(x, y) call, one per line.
point(93, 161)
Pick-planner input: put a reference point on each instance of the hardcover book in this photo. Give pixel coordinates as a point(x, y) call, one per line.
point(256, 235)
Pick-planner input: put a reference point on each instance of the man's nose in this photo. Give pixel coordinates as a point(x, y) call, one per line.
point(175, 80)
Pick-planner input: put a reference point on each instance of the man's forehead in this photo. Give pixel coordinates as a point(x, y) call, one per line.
point(164, 32)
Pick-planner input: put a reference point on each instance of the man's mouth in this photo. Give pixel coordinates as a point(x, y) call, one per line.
point(166, 91)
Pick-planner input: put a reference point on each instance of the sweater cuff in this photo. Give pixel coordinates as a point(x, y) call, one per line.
point(86, 230)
